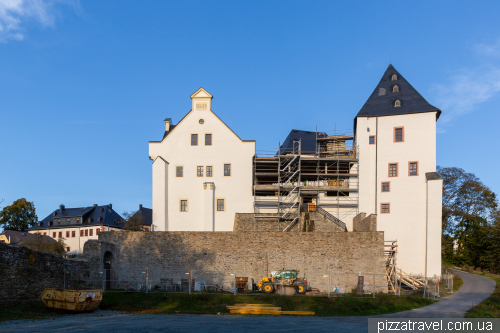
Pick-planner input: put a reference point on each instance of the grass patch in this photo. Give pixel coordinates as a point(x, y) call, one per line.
point(167, 303)
point(30, 311)
point(490, 307)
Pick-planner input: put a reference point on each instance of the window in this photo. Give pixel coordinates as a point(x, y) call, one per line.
point(386, 186)
point(413, 169)
point(67, 234)
point(97, 231)
point(201, 121)
point(91, 232)
point(67, 221)
point(86, 232)
point(67, 249)
point(53, 235)
point(184, 205)
point(60, 234)
point(393, 170)
point(81, 233)
point(399, 134)
point(397, 103)
point(394, 77)
point(179, 171)
point(45, 234)
point(194, 139)
point(77, 220)
point(227, 170)
point(208, 139)
point(73, 233)
point(395, 88)
point(385, 208)
point(209, 171)
point(199, 171)
point(221, 205)
point(372, 139)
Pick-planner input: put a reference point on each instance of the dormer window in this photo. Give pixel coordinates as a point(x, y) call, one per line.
point(397, 103)
point(394, 77)
point(395, 88)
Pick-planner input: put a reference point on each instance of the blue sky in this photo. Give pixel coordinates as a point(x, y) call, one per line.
point(85, 85)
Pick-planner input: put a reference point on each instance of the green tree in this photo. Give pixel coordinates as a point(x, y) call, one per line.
point(19, 216)
point(134, 221)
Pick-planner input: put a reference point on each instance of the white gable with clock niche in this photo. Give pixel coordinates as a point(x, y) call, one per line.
point(202, 172)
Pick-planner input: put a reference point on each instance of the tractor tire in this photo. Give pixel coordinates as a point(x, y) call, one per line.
point(301, 289)
point(267, 288)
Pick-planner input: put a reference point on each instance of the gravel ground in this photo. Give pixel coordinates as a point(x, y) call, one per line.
point(474, 290)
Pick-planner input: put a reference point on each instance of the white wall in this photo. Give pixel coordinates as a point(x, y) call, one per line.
point(176, 149)
point(406, 221)
point(76, 243)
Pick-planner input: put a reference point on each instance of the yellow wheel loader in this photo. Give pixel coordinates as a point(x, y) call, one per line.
point(284, 277)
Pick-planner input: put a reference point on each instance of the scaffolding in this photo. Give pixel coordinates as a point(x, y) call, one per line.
point(323, 177)
point(289, 188)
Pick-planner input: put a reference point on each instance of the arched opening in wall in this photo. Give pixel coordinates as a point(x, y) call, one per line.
point(108, 260)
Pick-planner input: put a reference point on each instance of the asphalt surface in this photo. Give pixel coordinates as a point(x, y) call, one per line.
point(474, 291)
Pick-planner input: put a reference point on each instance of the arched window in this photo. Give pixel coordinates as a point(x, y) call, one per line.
point(397, 103)
point(395, 88)
point(394, 77)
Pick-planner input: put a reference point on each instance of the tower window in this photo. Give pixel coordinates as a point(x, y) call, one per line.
point(395, 88)
point(372, 139)
point(393, 170)
point(413, 169)
point(399, 134)
point(394, 77)
point(208, 139)
point(385, 208)
point(179, 171)
point(221, 207)
point(227, 170)
point(194, 139)
point(184, 205)
point(397, 103)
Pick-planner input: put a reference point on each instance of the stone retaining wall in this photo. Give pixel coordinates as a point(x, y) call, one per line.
point(24, 274)
point(218, 257)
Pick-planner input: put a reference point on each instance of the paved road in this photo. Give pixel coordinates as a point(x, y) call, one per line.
point(474, 291)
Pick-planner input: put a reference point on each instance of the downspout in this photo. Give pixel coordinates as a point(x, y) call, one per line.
point(426, 223)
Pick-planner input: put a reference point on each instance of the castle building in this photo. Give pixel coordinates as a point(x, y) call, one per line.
point(204, 175)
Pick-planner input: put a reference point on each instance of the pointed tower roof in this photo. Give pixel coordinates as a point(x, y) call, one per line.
point(384, 98)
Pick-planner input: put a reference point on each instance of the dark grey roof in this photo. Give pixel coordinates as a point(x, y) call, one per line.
point(168, 132)
point(381, 101)
point(94, 215)
point(308, 141)
point(18, 237)
point(432, 176)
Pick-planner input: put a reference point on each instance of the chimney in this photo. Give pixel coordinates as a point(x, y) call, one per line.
point(61, 208)
point(168, 124)
point(140, 207)
point(95, 205)
point(110, 206)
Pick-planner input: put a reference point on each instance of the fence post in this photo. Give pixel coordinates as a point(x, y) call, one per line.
point(147, 281)
point(189, 281)
point(373, 285)
point(329, 284)
point(64, 279)
point(235, 285)
point(438, 287)
point(104, 281)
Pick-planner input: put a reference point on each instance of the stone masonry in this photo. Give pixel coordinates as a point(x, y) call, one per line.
point(139, 258)
point(24, 274)
point(361, 222)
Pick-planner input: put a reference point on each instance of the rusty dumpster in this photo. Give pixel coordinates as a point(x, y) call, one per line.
point(73, 300)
